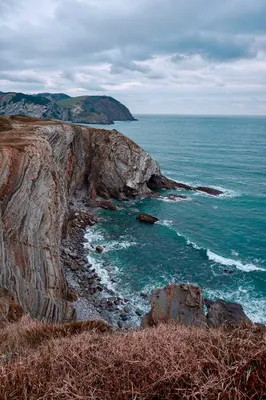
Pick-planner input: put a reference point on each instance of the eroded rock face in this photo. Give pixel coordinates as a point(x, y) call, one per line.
point(42, 165)
point(179, 303)
point(10, 311)
point(185, 304)
point(222, 312)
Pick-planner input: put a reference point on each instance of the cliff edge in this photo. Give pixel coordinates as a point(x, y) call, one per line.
point(42, 165)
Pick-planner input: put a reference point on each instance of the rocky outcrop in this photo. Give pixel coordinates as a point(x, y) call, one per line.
point(42, 165)
point(147, 218)
point(222, 312)
point(179, 303)
point(185, 304)
point(211, 191)
point(84, 109)
point(160, 182)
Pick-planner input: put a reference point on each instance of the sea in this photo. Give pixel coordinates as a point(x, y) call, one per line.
point(218, 243)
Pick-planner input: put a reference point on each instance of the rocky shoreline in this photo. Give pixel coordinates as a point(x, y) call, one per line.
point(91, 298)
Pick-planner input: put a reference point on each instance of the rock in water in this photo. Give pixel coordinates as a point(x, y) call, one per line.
point(107, 205)
point(180, 303)
point(222, 312)
point(147, 218)
point(174, 197)
point(99, 249)
point(211, 191)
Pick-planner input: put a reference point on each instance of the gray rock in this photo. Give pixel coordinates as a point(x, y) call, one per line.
point(180, 303)
point(222, 312)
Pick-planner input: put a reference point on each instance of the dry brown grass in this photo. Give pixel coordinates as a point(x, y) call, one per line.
point(20, 338)
point(167, 362)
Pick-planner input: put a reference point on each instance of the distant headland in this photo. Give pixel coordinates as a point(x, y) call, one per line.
point(83, 109)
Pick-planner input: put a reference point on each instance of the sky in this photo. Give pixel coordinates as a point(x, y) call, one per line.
point(155, 56)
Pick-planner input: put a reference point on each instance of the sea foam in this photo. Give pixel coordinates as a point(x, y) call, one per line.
point(229, 262)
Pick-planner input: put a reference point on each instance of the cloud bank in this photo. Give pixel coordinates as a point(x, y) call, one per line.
point(156, 56)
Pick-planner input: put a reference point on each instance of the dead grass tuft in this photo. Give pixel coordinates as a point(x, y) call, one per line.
point(18, 339)
point(162, 363)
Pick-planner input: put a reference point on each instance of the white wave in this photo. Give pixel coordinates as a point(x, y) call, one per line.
point(232, 263)
point(194, 245)
point(93, 235)
point(118, 245)
point(174, 200)
point(227, 193)
point(101, 271)
point(165, 222)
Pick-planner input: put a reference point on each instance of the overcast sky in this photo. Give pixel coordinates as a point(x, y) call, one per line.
point(155, 56)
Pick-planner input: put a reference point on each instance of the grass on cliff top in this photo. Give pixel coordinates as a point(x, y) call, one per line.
point(71, 101)
point(163, 363)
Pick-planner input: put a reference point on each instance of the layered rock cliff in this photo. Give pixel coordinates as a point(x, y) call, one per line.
point(42, 165)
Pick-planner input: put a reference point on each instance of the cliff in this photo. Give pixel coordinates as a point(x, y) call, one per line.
point(84, 109)
point(42, 165)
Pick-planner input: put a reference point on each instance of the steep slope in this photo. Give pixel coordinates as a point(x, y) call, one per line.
point(42, 165)
point(30, 105)
point(96, 108)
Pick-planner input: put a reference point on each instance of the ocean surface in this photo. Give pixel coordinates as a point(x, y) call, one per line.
point(218, 243)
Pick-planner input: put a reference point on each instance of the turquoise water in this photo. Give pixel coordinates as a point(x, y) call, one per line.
point(199, 239)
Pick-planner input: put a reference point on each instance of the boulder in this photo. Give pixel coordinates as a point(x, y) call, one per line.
point(147, 218)
point(211, 191)
point(107, 205)
point(222, 312)
point(180, 303)
point(99, 249)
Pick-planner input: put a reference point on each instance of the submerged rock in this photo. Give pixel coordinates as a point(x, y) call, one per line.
point(174, 197)
point(147, 218)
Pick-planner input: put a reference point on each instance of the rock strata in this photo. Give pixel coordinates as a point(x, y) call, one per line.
point(44, 168)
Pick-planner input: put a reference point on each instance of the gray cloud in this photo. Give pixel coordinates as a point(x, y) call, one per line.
point(135, 48)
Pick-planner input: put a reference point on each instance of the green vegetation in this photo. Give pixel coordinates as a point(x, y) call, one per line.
point(30, 99)
point(70, 102)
